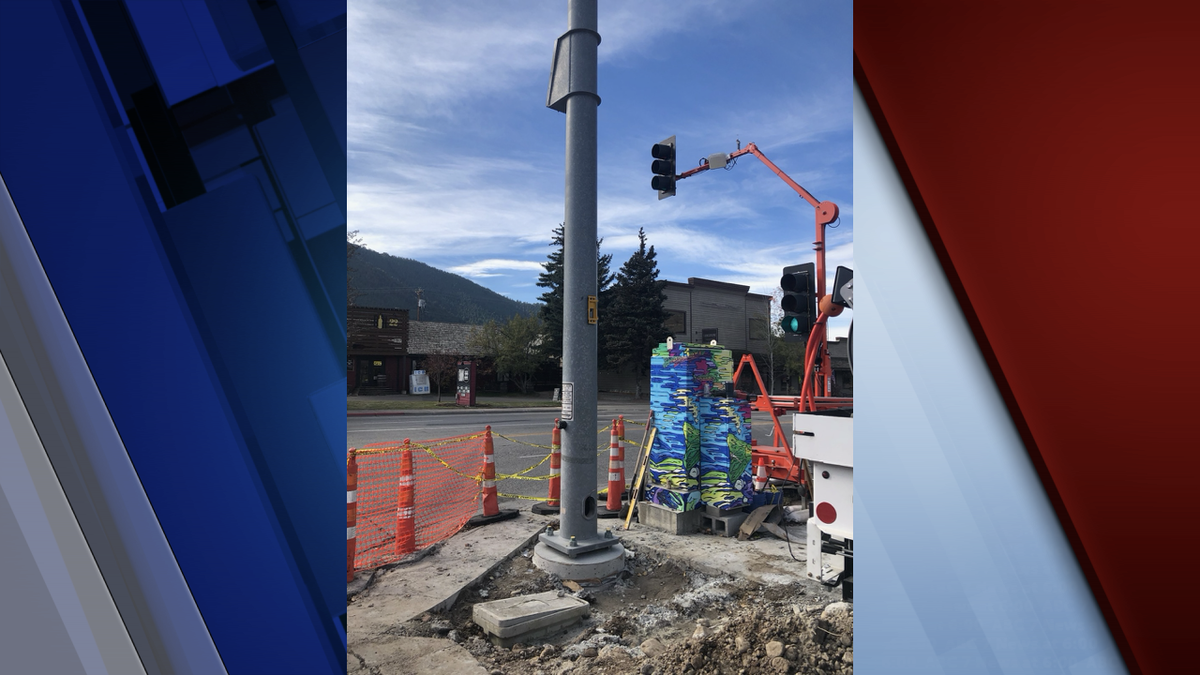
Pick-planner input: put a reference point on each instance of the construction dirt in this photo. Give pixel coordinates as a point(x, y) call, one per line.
point(660, 616)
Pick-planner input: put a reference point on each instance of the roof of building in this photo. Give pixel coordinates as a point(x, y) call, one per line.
point(433, 337)
point(697, 282)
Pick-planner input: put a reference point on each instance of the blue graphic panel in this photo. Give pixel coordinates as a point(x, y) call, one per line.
point(204, 305)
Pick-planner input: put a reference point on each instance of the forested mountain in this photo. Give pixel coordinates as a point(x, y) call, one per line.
point(383, 280)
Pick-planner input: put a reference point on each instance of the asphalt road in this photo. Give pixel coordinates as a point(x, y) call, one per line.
point(517, 435)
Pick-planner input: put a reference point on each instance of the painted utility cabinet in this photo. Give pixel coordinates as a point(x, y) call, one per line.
point(701, 453)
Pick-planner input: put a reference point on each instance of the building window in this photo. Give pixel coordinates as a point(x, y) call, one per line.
point(758, 328)
point(708, 335)
point(676, 322)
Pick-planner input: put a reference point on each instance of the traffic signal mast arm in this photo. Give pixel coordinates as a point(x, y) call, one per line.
point(826, 212)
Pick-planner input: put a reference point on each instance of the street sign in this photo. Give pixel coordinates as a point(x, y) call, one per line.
point(568, 401)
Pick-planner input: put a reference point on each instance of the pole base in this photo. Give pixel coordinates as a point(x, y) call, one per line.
point(592, 565)
point(505, 514)
point(574, 549)
point(544, 509)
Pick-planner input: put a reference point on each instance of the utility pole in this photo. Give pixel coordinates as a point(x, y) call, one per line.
point(578, 550)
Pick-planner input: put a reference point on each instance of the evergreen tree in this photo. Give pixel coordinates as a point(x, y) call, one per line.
point(551, 312)
point(637, 311)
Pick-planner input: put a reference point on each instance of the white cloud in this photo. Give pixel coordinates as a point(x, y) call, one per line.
point(446, 168)
point(489, 267)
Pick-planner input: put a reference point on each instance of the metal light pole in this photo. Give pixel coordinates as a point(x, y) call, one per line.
point(577, 550)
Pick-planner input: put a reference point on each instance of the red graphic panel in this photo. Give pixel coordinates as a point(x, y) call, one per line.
point(1053, 153)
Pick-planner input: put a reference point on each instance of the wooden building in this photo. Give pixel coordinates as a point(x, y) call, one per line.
point(377, 356)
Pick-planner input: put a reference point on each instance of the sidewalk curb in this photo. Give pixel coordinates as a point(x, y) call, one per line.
point(450, 411)
point(449, 602)
point(450, 594)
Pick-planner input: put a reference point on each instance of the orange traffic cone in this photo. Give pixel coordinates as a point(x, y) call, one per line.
point(491, 504)
point(760, 477)
point(550, 506)
point(351, 512)
point(621, 450)
point(616, 481)
point(406, 521)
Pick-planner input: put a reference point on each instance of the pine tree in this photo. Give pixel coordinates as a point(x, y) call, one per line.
point(551, 312)
point(637, 311)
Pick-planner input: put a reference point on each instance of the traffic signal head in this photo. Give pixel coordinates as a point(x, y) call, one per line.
point(663, 168)
point(799, 301)
point(843, 287)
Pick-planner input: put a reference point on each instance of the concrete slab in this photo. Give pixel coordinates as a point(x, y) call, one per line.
point(412, 656)
point(518, 616)
point(499, 614)
point(434, 582)
point(665, 520)
point(535, 635)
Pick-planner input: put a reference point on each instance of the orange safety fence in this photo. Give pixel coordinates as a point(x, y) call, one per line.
point(445, 493)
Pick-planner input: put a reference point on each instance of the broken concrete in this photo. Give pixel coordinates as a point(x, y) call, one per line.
point(413, 656)
point(662, 616)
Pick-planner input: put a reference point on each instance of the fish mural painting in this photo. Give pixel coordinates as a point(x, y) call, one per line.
point(725, 475)
point(701, 454)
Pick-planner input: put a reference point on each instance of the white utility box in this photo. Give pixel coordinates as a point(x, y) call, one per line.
point(827, 442)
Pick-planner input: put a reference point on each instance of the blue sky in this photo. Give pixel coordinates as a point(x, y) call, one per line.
point(455, 161)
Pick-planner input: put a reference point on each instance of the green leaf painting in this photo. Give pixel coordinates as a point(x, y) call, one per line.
point(691, 436)
point(739, 457)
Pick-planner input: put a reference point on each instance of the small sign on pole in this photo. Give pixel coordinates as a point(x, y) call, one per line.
point(568, 401)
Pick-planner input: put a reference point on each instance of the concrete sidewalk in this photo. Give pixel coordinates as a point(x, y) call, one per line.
point(406, 592)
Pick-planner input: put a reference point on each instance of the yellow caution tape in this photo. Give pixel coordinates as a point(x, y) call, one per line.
point(532, 499)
